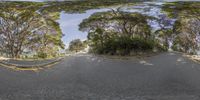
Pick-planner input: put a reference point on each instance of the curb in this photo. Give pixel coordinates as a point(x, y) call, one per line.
point(192, 57)
point(30, 67)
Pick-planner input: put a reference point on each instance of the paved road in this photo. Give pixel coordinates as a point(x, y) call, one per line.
point(167, 76)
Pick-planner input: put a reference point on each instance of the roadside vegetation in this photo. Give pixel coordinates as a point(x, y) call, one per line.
point(30, 28)
point(124, 33)
point(186, 30)
point(80, 6)
point(77, 45)
point(24, 30)
point(120, 33)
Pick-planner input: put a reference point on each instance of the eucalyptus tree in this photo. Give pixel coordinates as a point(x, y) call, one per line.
point(131, 24)
point(182, 9)
point(187, 25)
point(76, 45)
point(188, 35)
point(80, 6)
point(117, 30)
point(22, 29)
point(164, 33)
point(117, 23)
point(15, 29)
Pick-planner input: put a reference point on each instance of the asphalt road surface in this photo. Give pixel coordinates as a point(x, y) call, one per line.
point(167, 76)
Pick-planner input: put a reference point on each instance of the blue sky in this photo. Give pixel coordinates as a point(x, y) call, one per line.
point(69, 24)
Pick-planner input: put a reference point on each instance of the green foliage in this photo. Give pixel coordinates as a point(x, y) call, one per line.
point(42, 55)
point(128, 23)
point(119, 33)
point(186, 29)
point(77, 45)
point(186, 39)
point(112, 32)
point(24, 28)
point(124, 46)
point(182, 9)
point(80, 6)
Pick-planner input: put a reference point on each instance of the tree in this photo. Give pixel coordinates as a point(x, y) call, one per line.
point(23, 28)
point(182, 9)
point(186, 29)
point(187, 39)
point(118, 32)
point(164, 33)
point(15, 28)
point(76, 45)
point(81, 6)
point(122, 23)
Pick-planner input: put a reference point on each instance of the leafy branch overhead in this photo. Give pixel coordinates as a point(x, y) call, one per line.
point(22, 30)
point(126, 31)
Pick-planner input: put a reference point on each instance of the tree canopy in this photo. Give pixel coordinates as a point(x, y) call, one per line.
point(118, 32)
point(80, 6)
point(33, 27)
point(186, 29)
point(77, 45)
point(24, 29)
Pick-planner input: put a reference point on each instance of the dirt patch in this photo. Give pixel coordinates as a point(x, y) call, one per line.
point(195, 58)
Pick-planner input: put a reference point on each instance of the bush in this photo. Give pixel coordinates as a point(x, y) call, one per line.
point(42, 55)
point(77, 45)
point(125, 45)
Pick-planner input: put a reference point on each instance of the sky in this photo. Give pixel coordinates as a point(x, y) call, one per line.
point(69, 24)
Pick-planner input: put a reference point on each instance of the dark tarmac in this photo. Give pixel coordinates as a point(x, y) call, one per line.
point(166, 76)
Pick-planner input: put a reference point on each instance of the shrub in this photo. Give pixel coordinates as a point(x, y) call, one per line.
point(77, 45)
point(124, 45)
point(42, 55)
